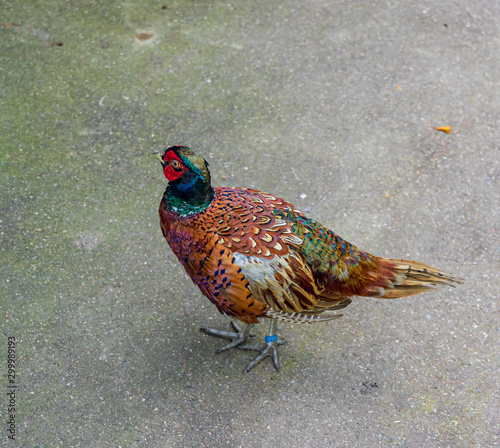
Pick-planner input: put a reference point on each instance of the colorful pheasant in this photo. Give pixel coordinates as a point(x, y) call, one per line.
point(257, 256)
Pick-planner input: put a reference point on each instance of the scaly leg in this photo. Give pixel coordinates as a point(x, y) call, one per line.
point(270, 348)
point(237, 338)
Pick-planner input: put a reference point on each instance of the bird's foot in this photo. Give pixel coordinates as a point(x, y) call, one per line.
point(236, 338)
point(270, 348)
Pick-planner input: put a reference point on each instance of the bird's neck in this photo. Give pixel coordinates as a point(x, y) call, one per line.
point(187, 198)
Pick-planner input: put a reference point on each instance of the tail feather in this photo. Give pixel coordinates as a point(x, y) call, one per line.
point(413, 277)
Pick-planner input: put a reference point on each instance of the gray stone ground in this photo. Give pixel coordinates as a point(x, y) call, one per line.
point(328, 104)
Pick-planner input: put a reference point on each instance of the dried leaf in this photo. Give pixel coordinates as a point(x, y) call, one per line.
point(446, 129)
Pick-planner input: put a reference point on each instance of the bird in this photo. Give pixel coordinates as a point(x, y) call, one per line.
point(256, 256)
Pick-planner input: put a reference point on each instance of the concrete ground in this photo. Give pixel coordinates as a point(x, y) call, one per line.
point(328, 104)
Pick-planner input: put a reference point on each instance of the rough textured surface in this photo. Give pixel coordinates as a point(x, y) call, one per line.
point(328, 104)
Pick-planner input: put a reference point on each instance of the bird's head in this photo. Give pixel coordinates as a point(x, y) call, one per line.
point(183, 166)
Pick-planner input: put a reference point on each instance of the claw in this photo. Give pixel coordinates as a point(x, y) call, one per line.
point(270, 348)
point(267, 349)
point(237, 338)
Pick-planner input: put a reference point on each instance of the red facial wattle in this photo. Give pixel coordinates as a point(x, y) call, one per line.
point(170, 173)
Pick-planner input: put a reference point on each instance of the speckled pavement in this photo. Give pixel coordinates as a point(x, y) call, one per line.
point(331, 105)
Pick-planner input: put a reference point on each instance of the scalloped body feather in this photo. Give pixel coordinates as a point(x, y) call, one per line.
point(255, 255)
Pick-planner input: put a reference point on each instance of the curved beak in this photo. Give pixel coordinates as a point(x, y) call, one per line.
point(159, 155)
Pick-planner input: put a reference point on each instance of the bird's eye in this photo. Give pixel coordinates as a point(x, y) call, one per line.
point(175, 164)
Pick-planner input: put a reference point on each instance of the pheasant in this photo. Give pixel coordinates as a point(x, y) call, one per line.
point(257, 256)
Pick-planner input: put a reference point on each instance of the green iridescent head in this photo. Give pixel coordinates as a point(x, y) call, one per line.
point(180, 163)
point(188, 176)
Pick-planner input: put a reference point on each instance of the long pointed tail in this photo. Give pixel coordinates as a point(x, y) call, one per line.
point(413, 277)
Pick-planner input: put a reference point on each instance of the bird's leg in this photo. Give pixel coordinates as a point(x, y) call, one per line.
point(270, 348)
point(237, 338)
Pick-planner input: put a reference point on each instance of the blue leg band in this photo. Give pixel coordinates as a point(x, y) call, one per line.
point(272, 338)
